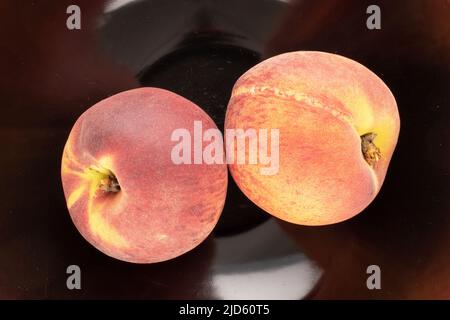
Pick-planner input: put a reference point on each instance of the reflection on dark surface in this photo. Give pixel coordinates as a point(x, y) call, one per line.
point(198, 49)
point(142, 32)
point(263, 263)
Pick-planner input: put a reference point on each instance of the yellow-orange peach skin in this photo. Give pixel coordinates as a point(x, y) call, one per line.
point(338, 125)
point(124, 193)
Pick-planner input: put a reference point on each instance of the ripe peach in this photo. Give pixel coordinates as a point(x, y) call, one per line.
point(124, 193)
point(338, 126)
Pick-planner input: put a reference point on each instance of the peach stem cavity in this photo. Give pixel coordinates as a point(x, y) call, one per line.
point(104, 178)
point(370, 151)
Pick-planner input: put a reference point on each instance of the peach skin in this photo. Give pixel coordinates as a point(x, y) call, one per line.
point(124, 193)
point(338, 127)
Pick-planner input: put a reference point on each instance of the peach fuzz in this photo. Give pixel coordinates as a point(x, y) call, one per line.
point(124, 193)
point(338, 124)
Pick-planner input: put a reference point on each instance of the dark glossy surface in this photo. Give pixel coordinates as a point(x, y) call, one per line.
point(198, 49)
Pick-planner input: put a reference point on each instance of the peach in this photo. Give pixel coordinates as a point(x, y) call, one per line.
point(338, 126)
point(124, 193)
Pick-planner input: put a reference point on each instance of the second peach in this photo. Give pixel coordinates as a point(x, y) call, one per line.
point(338, 127)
